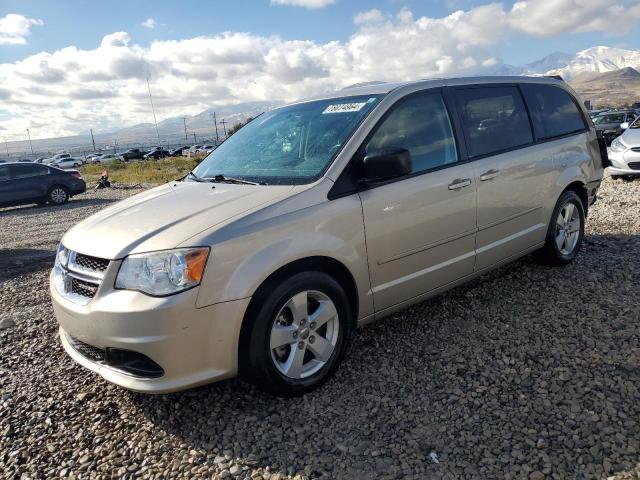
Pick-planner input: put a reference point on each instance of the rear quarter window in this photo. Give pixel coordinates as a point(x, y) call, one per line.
point(554, 111)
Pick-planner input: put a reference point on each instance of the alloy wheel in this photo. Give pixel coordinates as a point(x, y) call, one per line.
point(567, 228)
point(304, 334)
point(58, 195)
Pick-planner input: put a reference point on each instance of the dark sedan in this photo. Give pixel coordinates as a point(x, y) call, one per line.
point(22, 183)
point(608, 124)
point(157, 153)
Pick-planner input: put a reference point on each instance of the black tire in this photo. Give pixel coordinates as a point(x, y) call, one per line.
point(257, 361)
point(551, 253)
point(58, 195)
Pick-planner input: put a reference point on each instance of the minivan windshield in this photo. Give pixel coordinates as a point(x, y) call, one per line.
point(289, 145)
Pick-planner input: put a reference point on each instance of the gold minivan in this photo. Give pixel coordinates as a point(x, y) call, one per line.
point(321, 216)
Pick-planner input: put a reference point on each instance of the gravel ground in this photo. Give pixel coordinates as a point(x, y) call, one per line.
point(528, 372)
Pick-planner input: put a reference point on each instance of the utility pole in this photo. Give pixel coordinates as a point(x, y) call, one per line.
point(215, 123)
point(184, 120)
point(194, 138)
point(153, 110)
point(30, 144)
point(224, 125)
point(6, 146)
point(92, 140)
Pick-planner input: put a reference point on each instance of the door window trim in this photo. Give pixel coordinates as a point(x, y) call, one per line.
point(458, 108)
point(346, 184)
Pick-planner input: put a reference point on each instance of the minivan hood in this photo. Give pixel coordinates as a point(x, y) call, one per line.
point(165, 216)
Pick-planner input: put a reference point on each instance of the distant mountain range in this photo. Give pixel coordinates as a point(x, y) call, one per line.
point(606, 76)
point(592, 60)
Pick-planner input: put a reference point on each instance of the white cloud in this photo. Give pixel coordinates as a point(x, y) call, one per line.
point(63, 91)
point(149, 23)
point(304, 3)
point(547, 17)
point(15, 28)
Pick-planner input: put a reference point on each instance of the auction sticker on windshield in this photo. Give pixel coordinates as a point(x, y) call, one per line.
point(344, 107)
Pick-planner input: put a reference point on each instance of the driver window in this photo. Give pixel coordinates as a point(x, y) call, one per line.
point(419, 123)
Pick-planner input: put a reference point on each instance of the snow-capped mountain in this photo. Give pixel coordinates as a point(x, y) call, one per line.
point(592, 60)
point(597, 60)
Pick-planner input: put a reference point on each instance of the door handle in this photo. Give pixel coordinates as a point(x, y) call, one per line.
point(493, 173)
point(459, 183)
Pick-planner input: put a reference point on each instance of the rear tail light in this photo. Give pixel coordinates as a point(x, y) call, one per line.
point(77, 175)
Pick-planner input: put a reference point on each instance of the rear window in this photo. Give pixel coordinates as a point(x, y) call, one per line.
point(554, 111)
point(494, 119)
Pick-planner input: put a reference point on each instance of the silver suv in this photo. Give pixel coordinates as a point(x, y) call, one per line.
point(321, 216)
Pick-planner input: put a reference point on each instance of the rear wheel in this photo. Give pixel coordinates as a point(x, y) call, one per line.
point(295, 339)
point(58, 195)
point(565, 232)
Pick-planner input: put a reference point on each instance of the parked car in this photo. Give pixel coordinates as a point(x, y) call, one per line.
point(25, 160)
point(66, 162)
point(91, 158)
point(176, 152)
point(157, 153)
point(624, 153)
point(107, 158)
point(266, 256)
point(594, 113)
point(56, 157)
point(22, 183)
point(132, 154)
point(609, 123)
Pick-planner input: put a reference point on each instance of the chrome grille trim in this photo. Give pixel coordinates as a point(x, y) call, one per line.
point(81, 277)
point(80, 267)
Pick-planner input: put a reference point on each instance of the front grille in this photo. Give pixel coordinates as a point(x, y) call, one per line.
point(634, 165)
point(83, 288)
point(92, 353)
point(91, 263)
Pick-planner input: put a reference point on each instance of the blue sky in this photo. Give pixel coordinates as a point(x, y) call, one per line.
point(84, 23)
point(66, 65)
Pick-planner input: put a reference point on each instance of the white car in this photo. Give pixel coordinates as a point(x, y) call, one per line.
point(108, 158)
point(624, 152)
point(66, 162)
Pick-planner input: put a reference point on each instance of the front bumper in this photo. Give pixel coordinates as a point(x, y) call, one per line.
point(624, 163)
point(193, 345)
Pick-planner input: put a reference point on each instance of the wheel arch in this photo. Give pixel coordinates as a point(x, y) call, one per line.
point(328, 265)
point(580, 188)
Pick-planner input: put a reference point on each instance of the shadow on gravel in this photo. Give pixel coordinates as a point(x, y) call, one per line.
point(21, 261)
point(76, 202)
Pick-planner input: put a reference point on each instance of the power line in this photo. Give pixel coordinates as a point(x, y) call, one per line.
point(30, 144)
point(153, 110)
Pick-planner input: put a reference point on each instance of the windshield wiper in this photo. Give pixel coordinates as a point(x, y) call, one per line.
point(222, 179)
point(197, 178)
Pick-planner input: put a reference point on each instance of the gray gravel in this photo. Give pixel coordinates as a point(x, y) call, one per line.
point(528, 372)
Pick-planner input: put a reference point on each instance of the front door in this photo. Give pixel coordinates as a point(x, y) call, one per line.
point(420, 230)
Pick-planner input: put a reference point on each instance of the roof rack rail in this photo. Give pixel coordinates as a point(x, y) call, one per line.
point(557, 77)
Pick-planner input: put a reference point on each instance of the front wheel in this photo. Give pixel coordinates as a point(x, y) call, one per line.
point(565, 232)
point(296, 337)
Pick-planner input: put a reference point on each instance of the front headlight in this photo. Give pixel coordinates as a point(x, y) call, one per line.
point(62, 256)
point(617, 145)
point(163, 273)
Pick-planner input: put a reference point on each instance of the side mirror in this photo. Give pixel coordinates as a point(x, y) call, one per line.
point(381, 165)
point(624, 125)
